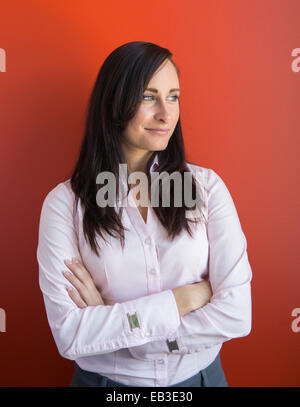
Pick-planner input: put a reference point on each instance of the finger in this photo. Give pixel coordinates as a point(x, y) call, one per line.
point(81, 279)
point(85, 291)
point(79, 270)
point(74, 281)
point(75, 297)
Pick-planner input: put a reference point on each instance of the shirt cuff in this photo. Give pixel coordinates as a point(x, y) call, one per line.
point(155, 316)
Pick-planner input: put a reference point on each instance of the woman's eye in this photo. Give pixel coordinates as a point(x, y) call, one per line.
point(150, 96)
point(147, 96)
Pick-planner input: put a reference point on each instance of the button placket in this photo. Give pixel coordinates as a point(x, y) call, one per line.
point(153, 271)
point(154, 282)
point(161, 371)
point(148, 240)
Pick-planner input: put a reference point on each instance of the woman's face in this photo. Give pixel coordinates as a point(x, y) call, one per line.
point(159, 109)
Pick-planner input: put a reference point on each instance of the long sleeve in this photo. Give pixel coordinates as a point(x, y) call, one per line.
point(95, 329)
point(228, 314)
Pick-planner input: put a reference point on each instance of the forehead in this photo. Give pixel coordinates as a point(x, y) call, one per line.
point(165, 77)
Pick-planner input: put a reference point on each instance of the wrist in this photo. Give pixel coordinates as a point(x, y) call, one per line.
point(183, 300)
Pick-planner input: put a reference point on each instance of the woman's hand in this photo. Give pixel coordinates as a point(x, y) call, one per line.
point(201, 294)
point(190, 297)
point(86, 293)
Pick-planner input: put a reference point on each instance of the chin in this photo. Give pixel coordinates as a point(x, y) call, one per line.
point(159, 147)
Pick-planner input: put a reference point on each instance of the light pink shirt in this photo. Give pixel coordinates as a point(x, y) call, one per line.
point(139, 282)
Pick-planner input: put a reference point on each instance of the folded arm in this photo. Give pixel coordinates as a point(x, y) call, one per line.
point(228, 314)
point(92, 330)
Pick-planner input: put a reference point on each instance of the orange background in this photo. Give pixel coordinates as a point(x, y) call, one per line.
point(240, 107)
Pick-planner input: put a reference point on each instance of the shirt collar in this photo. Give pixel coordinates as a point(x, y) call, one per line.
point(155, 163)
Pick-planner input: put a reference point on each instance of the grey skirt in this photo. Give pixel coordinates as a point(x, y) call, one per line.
point(212, 376)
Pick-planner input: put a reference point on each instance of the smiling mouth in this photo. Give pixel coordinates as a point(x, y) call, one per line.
point(158, 131)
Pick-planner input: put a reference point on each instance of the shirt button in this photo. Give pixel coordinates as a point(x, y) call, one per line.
point(147, 333)
point(148, 240)
point(161, 361)
point(153, 271)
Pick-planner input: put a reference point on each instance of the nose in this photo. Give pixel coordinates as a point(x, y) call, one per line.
point(163, 112)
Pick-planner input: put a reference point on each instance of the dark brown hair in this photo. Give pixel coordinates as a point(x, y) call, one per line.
point(115, 98)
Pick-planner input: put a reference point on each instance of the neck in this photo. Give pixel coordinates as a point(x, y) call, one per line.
point(137, 160)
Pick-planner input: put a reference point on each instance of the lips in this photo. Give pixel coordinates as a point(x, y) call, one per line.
point(159, 131)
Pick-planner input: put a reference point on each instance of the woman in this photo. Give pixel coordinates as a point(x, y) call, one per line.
point(154, 290)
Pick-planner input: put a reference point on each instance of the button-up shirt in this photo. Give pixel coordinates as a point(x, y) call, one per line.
point(138, 337)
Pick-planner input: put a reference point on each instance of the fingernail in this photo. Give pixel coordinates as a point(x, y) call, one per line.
point(66, 273)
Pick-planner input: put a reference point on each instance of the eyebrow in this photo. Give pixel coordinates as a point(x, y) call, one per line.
point(156, 91)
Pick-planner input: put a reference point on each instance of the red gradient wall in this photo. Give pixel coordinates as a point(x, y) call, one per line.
point(240, 106)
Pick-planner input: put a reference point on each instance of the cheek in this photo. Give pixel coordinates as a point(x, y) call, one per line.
point(175, 117)
point(134, 124)
point(138, 121)
point(144, 117)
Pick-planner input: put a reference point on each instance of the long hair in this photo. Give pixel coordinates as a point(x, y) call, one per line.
point(115, 98)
